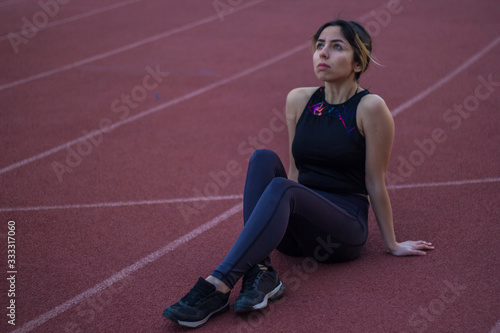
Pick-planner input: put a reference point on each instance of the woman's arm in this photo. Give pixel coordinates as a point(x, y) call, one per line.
point(295, 102)
point(377, 125)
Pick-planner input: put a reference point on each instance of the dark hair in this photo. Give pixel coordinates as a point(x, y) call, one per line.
point(356, 36)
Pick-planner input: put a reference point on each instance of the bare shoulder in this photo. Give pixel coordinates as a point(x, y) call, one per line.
point(373, 111)
point(372, 103)
point(301, 94)
point(297, 99)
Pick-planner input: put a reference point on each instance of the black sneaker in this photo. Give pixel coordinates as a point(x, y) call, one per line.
point(259, 286)
point(201, 303)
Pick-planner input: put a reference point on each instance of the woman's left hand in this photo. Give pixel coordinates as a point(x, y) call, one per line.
point(411, 248)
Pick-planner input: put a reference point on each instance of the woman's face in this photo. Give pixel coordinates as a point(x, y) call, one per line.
point(333, 57)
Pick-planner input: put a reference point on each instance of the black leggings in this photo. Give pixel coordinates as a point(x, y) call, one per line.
point(281, 214)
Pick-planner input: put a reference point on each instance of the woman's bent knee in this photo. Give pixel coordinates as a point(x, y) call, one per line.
point(281, 184)
point(263, 154)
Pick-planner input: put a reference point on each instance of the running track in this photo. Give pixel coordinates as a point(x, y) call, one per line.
point(113, 226)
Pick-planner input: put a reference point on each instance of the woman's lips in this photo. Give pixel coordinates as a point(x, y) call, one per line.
point(322, 66)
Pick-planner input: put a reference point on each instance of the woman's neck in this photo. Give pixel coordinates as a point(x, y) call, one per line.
point(340, 93)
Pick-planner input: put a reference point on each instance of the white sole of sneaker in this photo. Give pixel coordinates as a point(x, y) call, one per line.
point(195, 324)
point(274, 294)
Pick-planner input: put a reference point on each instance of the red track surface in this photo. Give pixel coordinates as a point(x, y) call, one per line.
point(83, 240)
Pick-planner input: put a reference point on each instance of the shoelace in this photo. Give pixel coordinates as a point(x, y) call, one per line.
point(252, 279)
point(194, 296)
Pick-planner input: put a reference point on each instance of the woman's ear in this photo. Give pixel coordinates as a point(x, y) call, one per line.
point(358, 68)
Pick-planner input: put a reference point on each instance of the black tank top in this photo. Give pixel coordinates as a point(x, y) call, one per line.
point(328, 149)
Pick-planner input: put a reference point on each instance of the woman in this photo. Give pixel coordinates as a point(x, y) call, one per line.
point(340, 143)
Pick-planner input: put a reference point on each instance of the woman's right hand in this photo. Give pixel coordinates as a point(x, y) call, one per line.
point(411, 248)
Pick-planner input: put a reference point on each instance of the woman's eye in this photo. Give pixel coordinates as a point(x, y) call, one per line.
point(337, 47)
point(319, 46)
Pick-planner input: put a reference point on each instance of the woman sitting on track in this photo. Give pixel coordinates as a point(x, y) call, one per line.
point(340, 143)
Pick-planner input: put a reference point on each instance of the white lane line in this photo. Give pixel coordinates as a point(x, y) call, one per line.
point(156, 108)
point(10, 2)
point(125, 47)
point(129, 270)
point(123, 203)
point(222, 197)
point(450, 183)
point(76, 17)
point(446, 78)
